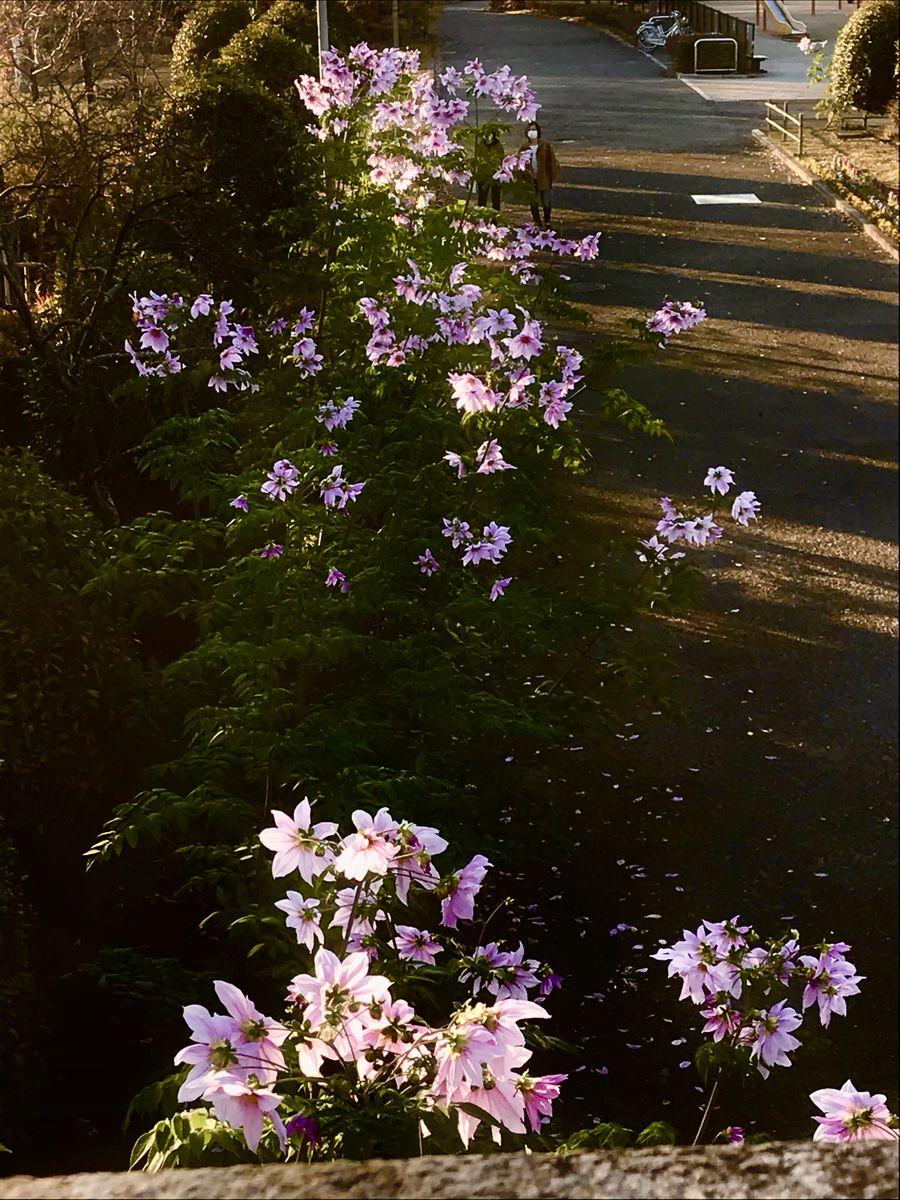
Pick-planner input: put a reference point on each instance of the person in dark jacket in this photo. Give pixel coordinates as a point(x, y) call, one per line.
point(542, 170)
point(488, 160)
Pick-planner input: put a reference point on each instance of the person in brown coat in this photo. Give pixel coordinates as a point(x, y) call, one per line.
point(543, 170)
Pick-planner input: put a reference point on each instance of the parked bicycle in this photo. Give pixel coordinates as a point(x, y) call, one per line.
point(656, 31)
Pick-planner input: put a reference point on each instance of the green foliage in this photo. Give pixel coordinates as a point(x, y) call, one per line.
point(863, 67)
point(257, 683)
point(609, 1135)
point(109, 194)
point(207, 29)
point(155, 987)
point(657, 1133)
point(224, 127)
point(66, 665)
point(350, 1128)
point(636, 417)
point(276, 44)
point(196, 1139)
point(160, 1096)
point(296, 19)
point(712, 1058)
point(605, 1135)
point(892, 131)
point(283, 687)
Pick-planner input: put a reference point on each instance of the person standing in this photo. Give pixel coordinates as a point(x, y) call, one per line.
point(488, 161)
point(543, 170)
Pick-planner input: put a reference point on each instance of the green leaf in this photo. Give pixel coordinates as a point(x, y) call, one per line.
point(142, 1148)
point(657, 1133)
point(622, 407)
point(705, 1060)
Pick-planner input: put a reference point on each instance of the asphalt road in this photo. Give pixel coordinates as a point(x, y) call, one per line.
point(777, 799)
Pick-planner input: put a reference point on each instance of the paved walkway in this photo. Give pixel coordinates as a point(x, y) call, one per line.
point(778, 799)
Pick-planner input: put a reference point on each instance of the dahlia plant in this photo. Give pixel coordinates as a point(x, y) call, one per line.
point(350, 1045)
point(754, 994)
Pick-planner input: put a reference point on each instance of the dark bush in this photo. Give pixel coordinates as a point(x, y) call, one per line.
point(863, 68)
point(207, 29)
point(63, 667)
point(17, 1004)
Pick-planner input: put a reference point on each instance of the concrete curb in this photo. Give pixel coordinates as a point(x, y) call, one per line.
point(870, 230)
point(773, 1171)
point(653, 58)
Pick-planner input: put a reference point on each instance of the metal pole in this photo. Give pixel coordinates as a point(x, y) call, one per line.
point(395, 14)
point(322, 29)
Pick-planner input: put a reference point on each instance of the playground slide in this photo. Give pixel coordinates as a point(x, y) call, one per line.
point(784, 24)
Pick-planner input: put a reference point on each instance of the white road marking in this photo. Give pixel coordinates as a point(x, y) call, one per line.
point(728, 198)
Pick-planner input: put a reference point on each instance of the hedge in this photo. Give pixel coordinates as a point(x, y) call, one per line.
point(862, 69)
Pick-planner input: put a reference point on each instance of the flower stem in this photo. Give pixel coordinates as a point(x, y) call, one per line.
point(706, 1112)
point(349, 931)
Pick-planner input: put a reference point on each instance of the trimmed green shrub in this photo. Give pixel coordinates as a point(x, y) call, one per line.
point(224, 126)
point(892, 130)
point(296, 19)
point(268, 54)
point(205, 32)
point(220, 128)
point(862, 70)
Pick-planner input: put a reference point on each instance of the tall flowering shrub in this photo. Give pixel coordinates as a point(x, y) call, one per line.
point(364, 478)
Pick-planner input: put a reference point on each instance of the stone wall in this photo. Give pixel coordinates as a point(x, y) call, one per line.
point(776, 1171)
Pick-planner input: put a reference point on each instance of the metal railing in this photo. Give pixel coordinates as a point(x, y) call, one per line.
point(801, 126)
point(712, 44)
point(788, 118)
point(704, 19)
